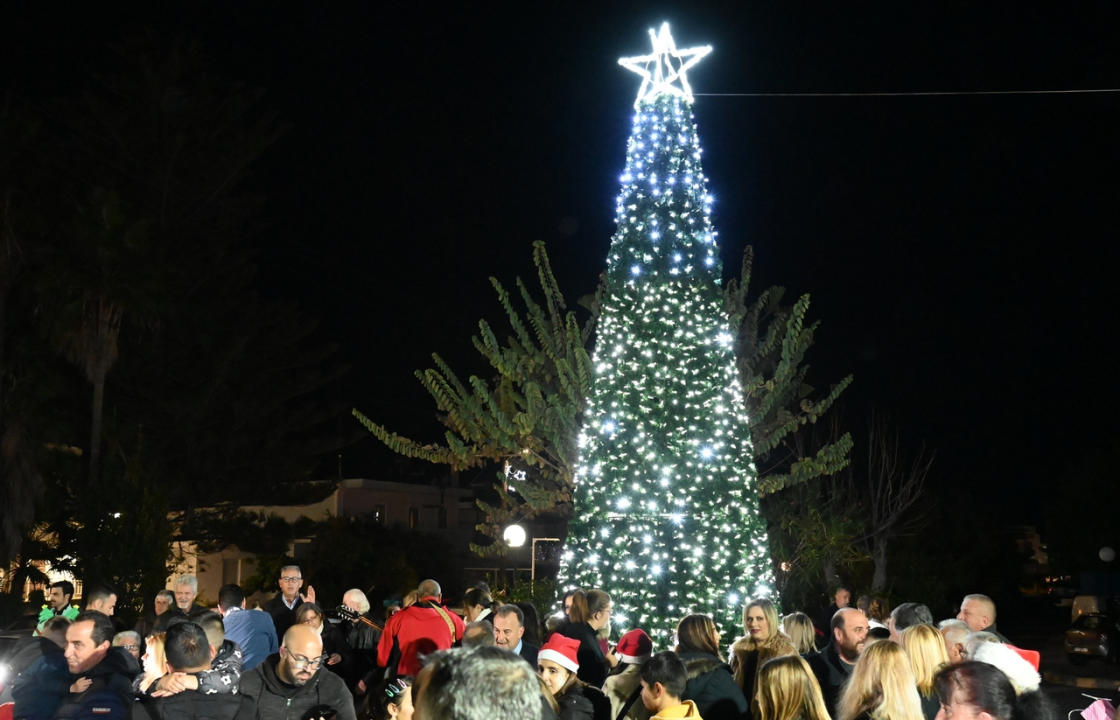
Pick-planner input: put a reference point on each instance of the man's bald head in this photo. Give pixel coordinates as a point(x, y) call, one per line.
point(978, 612)
point(301, 655)
point(429, 588)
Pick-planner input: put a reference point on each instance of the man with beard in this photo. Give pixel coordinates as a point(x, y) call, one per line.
point(834, 664)
point(294, 681)
point(58, 604)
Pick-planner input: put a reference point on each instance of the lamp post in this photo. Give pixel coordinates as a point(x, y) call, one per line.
point(533, 562)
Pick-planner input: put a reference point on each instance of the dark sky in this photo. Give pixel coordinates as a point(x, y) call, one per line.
point(960, 250)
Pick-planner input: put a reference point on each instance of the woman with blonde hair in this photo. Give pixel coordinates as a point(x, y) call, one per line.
point(762, 640)
point(925, 648)
point(799, 627)
point(154, 664)
point(788, 690)
point(881, 687)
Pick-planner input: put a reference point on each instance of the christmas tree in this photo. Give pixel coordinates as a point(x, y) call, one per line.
point(666, 510)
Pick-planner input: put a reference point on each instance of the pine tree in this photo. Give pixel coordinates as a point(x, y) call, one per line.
point(666, 507)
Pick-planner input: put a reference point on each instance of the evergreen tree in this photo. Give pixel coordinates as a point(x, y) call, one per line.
point(524, 419)
point(666, 505)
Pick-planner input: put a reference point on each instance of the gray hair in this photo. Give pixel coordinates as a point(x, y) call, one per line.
point(124, 636)
point(363, 601)
point(953, 630)
point(170, 595)
point(429, 587)
point(909, 614)
point(486, 683)
point(976, 639)
point(187, 580)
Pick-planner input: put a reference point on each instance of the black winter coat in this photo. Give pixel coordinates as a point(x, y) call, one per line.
point(581, 702)
point(277, 700)
point(712, 687)
point(191, 705)
point(592, 663)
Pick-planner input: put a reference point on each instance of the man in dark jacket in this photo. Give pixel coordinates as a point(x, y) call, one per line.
point(282, 607)
point(509, 633)
point(361, 633)
point(102, 674)
point(834, 664)
point(841, 598)
point(289, 684)
point(186, 590)
point(188, 652)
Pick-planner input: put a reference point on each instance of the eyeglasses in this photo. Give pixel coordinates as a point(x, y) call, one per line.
point(290, 579)
point(130, 648)
point(301, 663)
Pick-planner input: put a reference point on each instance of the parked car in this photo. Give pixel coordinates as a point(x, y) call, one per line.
point(10, 635)
point(1091, 635)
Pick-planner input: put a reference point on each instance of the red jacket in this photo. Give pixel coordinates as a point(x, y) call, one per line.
point(418, 630)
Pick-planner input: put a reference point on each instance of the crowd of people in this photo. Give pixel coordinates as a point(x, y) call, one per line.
point(422, 660)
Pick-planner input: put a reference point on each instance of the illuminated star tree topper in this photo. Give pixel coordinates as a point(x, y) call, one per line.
point(669, 67)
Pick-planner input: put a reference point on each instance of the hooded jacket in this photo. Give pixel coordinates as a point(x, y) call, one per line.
point(277, 700)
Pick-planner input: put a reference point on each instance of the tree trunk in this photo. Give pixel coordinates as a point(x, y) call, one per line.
point(95, 429)
point(879, 556)
point(831, 578)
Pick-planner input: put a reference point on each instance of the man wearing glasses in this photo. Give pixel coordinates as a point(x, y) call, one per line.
point(283, 606)
point(295, 681)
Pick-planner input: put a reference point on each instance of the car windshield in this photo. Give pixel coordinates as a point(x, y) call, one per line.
point(1089, 622)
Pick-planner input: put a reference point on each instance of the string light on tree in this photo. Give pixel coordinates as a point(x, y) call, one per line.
point(666, 514)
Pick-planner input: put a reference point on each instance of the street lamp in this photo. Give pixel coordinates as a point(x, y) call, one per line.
point(514, 536)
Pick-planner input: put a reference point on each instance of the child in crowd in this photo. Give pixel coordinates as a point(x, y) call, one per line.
point(663, 680)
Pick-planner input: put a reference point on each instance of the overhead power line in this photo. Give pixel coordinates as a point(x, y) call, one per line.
point(915, 93)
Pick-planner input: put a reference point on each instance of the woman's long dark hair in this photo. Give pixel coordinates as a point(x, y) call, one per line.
point(697, 633)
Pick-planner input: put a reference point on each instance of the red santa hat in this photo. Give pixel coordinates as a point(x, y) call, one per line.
point(562, 651)
point(634, 647)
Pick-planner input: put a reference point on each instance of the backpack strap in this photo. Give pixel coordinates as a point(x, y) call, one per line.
point(629, 702)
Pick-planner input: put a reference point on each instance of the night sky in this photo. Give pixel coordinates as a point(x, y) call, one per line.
point(960, 250)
